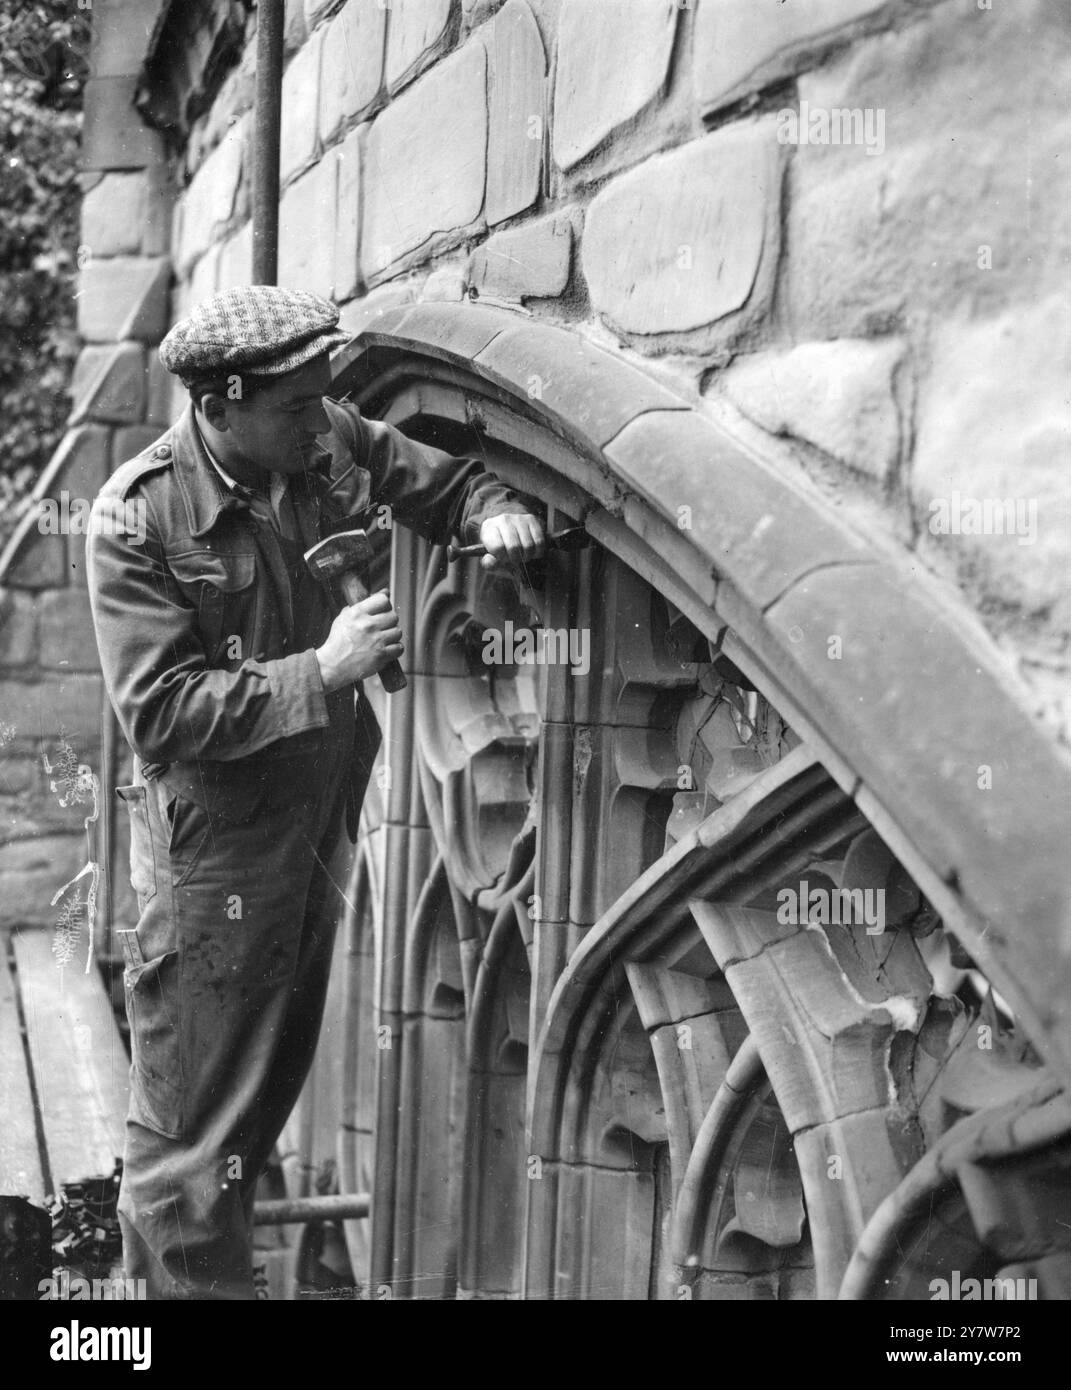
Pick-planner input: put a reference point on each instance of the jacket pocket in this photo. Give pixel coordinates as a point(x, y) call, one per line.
point(152, 1005)
point(142, 857)
point(218, 583)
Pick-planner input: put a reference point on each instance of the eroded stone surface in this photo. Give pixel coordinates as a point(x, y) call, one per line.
point(209, 203)
point(516, 82)
point(352, 64)
point(676, 244)
point(307, 230)
point(612, 60)
point(419, 29)
point(236, 259)
point(113, 214)
point(837, 396)
point(994, 426)
point(742, 45)
point(301, 105)
point(66, 627)
point(872, 239)
point(125, 297)
point(532, 260)
point(348, 215)
point(425, 160)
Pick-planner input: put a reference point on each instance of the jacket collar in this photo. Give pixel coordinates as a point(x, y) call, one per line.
point(204, 493)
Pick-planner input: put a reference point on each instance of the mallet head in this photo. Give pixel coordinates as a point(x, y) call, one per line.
point(338, 555)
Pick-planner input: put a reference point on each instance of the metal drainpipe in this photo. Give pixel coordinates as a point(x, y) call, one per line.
point(267, 122)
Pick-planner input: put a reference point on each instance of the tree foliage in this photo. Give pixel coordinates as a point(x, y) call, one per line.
point(43, 47)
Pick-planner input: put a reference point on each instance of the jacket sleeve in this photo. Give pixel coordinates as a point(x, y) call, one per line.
point(170, 704)
point(436, 494)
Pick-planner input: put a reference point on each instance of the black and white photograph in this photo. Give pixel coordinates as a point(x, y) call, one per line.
point(535, 666)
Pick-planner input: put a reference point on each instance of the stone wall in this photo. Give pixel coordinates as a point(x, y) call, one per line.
point(52, 707)
point(884, 317)
point(890, 308)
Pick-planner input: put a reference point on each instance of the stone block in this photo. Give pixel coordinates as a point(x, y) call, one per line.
point(46, 708)
point(347, 271)
point(18, 774)
point(108, 384)
point(755, 527)
point(120, 36)
point(530, 261)
point(125, 297)
point(873, 239)
point(741, 46)
point(362, 313)
point(236, 259)
point(352, 71)
point(131, 441)
point(517, 112)
point(677, 243)
point(447, 284)
point(113, 134)
point(66, 627)
point(159, 382)
point(994, 425)
point(613, 58)
point(307, 230)
point(18, 630)
point(79, 465)
point(205, 277)
point(113, 213)
point(301, 105)
point(838, 396)
point(30, 872)
point(316, 9)
point(294, 27)
point(211, 201)
point(428, 149)
point(32, 560)
point(419, 31)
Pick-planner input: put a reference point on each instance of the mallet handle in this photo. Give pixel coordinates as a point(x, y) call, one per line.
point(354, 590)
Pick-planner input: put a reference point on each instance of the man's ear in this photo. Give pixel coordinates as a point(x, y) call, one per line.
point(214, 409)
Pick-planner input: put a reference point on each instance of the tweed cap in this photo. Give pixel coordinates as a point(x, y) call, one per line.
point(259, 329)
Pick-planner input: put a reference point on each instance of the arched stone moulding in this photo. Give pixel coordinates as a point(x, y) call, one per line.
point(902, 723)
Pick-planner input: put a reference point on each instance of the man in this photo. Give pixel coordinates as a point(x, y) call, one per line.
point(239, 690)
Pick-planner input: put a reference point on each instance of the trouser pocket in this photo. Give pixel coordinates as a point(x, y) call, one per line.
point(142, 857)
point(152, 1006)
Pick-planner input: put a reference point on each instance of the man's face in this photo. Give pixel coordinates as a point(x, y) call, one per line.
point(276, 428)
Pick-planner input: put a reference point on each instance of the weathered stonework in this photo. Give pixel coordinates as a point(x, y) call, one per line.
point(744, 45)
point(66, 628)
point(532, 261)
point(307, 229)
point(347, 264)
point(211, 200)
point(236, 258)
point(838, 396)
point(352, 65)
point(108, 384)
point(124, 297)
point(613, 58)
point(428, 153)
point(676, 244)
point(517, 114)
point(994, 423)
point(301, 104)
point(419, 32)
point(876, 240)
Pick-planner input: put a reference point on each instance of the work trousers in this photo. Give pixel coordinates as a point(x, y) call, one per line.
point(226, 976)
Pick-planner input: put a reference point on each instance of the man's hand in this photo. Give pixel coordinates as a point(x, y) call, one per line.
point(511, 539)
point(363, 638)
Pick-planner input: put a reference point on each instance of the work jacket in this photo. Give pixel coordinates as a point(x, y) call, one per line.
point(208, 663)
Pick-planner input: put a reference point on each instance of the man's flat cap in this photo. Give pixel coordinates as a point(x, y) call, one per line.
point(259, 329)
